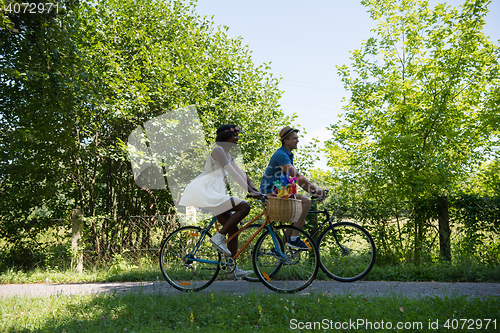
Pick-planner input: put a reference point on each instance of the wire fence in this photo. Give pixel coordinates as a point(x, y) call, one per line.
point(103, 241)
point(132, 238)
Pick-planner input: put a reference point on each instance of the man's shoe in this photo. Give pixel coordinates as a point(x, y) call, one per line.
point(297, 244)
point(219, 242)
point(238, 273)
point(273, 252)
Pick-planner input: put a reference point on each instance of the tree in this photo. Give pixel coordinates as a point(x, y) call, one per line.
point(424, 108)
point(38, 85)
point(74, 86)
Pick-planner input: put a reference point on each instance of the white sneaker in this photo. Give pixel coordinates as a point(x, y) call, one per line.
point(219, 242)
point(238, 273)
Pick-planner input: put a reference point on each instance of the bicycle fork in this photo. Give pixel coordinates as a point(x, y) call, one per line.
point(276, 242)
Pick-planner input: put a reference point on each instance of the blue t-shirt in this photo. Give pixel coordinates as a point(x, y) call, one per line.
point(273, 171)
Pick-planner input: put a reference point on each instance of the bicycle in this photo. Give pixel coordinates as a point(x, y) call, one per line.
point(190, 263)
point(347, 250)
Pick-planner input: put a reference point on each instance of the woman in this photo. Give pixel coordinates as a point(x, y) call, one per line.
point(208, 191)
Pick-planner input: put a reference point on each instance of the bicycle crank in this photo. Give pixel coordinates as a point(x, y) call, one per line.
point(227, 264)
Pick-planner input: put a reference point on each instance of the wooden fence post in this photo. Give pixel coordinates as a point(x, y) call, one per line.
point(76, 241)
point(444, 229)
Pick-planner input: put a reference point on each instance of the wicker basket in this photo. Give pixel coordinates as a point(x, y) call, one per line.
point(284, 210)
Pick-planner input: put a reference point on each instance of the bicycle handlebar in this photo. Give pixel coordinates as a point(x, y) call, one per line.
point(320, 198)
point(263, 197)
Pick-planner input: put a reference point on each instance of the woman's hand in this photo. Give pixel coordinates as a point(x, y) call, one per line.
point(255, 194)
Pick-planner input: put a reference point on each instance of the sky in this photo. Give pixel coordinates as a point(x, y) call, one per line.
point(303, 42)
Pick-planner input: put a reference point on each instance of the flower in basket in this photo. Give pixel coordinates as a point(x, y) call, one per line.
point(282, 193)
point(285, 180)
point(278, 186)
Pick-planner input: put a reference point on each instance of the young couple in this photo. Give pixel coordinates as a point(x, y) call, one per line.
point(208, 192)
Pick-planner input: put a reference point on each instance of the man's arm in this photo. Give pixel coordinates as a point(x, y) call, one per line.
point(301, 180)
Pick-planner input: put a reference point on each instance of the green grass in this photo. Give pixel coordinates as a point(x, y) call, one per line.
point(465, 272)
point(219, 312)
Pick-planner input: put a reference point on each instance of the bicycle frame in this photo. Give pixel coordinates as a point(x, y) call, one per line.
point(267, 224)
point(327, 220)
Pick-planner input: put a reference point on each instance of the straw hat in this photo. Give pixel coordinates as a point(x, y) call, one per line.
point(286, 131)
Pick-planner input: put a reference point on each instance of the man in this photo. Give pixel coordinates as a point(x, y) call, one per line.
point(282, 162)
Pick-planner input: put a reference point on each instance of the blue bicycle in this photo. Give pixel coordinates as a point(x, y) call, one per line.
point(189, 262)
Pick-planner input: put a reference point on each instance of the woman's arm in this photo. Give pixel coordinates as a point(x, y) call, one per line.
point(220, 157)
point(243, 175)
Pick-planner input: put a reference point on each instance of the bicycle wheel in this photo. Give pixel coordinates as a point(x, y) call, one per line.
point(183, 269)
point(244, 260)
point(290, 274)
point(347, 251)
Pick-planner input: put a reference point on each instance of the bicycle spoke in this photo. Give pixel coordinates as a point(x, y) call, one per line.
point(347, 252)
point(244, 260)
point(292, 270)
point(178, 270)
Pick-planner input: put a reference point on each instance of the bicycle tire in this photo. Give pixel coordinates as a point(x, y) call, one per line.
point(245, 259)
point(289, 275)
point(347, 251)
point(181, 272)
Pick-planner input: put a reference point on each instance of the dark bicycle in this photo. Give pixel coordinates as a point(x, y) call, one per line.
point(347, 251)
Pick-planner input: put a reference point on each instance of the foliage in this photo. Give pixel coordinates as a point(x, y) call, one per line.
point(37, 89)
point(423, 111)
point(478, 218)
point(75, 85)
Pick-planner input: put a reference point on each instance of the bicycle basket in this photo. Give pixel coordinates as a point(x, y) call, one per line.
point(283, 210)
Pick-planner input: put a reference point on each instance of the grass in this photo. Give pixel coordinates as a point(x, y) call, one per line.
point(465, 272)
point(218, 312)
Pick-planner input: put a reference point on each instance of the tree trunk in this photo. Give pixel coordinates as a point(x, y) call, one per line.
point(444, 229)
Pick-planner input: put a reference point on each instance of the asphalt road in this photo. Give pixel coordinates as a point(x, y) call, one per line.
point(365, 288)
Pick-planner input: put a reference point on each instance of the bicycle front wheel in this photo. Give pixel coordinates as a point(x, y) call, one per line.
point(291, 273)
point(347, 251)
point(184, 264)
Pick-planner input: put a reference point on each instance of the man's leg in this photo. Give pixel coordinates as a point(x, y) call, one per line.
point(306, 205)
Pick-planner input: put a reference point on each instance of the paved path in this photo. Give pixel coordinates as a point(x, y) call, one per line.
point(366, 288)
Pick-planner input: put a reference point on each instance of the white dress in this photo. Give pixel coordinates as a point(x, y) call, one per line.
point(208, 190)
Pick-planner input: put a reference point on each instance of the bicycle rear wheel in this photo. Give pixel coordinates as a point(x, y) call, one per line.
point(347, 251)
point(290, 274)
point(184, 268)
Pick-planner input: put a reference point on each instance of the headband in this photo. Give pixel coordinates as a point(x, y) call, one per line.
point(232, 129)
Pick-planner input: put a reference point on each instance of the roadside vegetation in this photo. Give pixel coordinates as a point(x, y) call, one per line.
point(465, 272)
point(252, 312)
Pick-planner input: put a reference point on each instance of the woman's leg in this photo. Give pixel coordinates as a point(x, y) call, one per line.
point(233, 244)
point(230, 222)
